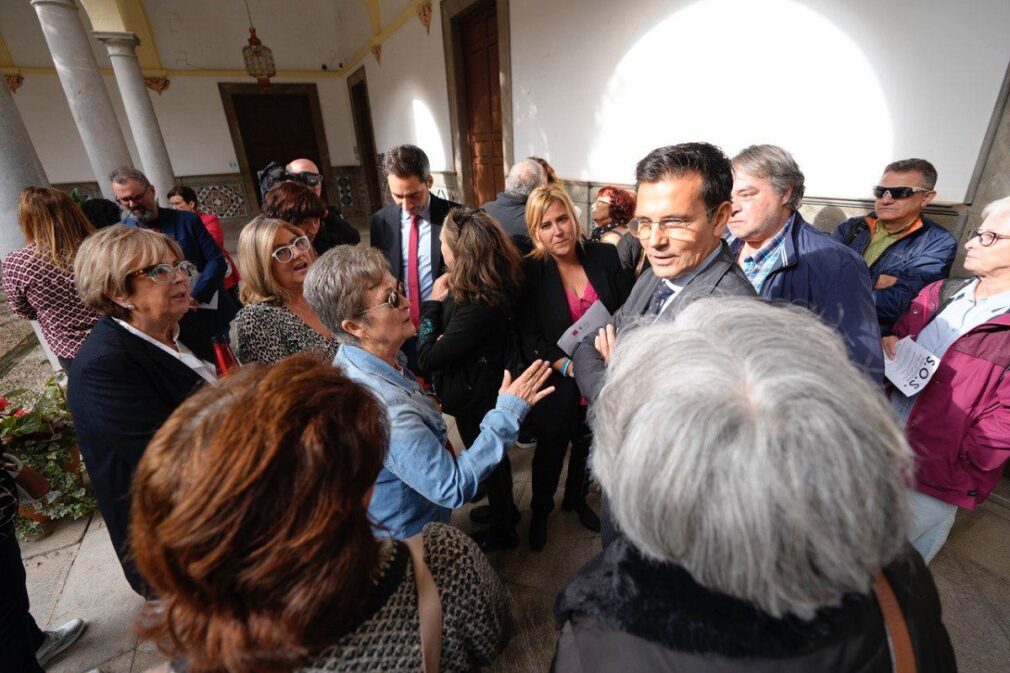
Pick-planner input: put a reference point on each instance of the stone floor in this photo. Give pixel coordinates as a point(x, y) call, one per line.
point(74, 573)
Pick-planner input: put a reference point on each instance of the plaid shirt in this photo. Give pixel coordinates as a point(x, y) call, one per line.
point(760, 265)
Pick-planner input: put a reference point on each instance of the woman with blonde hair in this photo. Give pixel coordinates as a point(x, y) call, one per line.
point(276, 321)
point(465, 340)
point(39, 278)
point(565, 275)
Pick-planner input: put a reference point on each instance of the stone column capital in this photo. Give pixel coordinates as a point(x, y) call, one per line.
point(118, 43)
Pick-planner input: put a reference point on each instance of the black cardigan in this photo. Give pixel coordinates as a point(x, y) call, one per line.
point(544, 305)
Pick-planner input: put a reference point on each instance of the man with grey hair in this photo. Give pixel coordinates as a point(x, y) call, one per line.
point(787, 259)
point(759, 482)
point(509, 207)
point(212, 309)
point(958, 422)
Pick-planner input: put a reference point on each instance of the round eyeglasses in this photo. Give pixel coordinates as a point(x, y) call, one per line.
point(286, 253)
point(166, 273)
point(987, 238)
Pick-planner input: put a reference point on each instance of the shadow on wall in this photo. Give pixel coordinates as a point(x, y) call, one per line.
point(737, 72)
point(828, 218)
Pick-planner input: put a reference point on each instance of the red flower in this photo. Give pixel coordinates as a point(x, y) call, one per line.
point(20, 412)
point(3, 403)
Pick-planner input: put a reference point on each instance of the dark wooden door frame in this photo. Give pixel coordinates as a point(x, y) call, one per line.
point(452, 43)
point(369, 164)
point(229, 89)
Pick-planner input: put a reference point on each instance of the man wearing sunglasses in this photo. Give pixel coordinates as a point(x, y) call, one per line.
point(958, 423)
point(136, 196)
point(904, 250)
point(334, 227)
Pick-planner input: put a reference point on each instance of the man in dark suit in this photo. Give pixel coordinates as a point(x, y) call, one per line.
point(407, 231)
point(509, 207)
point(683, 204)
point(136, 195)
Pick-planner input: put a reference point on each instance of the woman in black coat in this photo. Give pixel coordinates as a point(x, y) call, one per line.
point(132, 371)
point(466, 341)
point(564, 277)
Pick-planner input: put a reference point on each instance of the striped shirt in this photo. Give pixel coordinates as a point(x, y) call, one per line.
point(770, 256)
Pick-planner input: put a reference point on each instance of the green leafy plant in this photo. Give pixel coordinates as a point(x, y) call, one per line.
point(38, 429)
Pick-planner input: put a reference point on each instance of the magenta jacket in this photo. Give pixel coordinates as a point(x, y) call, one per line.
point(959, 426)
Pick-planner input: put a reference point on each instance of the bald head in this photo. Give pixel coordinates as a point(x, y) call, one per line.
point(524, 177)
point(306, 166)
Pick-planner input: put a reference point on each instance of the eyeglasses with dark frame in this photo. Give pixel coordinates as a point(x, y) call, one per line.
point(392, 299)
point(987, 238)
point(286, 253)
point(668, 224)
point(162, 274)
point(130, 200)
point(897, 193)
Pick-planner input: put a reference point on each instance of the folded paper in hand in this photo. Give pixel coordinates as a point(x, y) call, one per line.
point(590, 323)
point(912, 367)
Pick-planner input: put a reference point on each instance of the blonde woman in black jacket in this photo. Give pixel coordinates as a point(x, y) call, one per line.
point(465, 342)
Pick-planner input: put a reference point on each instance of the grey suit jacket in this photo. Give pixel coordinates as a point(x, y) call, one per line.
point(722, 277)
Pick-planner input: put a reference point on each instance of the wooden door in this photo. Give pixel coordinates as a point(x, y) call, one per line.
point(482, 92)
point(361, 112)
point(281, 124)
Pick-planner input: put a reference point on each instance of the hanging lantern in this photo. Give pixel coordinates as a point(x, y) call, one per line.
point(259, 60)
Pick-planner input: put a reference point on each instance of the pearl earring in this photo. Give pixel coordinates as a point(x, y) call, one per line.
point(130, 307)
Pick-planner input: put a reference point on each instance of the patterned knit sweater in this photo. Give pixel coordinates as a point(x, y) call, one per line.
point(475, 613)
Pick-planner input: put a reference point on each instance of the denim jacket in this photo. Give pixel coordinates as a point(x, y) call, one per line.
point(420, 480)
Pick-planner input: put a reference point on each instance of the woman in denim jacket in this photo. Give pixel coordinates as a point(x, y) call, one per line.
point(355, 296)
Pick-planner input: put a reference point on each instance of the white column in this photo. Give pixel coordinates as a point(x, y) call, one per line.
point(84, 87)
point(140, 111)
point(19, 168)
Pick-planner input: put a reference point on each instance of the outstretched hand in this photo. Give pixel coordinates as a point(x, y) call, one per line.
point(604, 342)
point(527, 385)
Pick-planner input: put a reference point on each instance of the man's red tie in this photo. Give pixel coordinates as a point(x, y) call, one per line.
point(413, 277)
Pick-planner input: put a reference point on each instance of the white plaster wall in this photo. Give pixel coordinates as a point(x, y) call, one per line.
point(408, 93)
point(847, 87)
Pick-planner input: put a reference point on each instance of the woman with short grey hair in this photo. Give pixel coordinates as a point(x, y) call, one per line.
point(357, 298)
point(758, 479)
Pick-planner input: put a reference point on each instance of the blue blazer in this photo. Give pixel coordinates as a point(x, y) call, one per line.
point(832, 281)
point(121, 390)
point(916, 260)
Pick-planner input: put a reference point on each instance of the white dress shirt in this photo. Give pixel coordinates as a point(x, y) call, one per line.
point(206, 370)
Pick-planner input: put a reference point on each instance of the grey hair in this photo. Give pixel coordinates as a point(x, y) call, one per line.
point(741, 444)
point(338, 282)
point(775, 164)
point(124, 173)
point(524, 177)
point(996, 207)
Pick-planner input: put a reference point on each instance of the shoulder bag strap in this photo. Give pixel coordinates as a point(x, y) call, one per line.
point(898, 637)
point(429, 607)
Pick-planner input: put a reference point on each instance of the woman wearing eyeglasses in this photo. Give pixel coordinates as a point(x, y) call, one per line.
point(357, 298)
point(612, 210)
point(132, 371)
point(958, 423)
point(565, 276)
point(276, 321)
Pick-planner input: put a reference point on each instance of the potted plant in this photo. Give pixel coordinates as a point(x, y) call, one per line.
point(38, 429)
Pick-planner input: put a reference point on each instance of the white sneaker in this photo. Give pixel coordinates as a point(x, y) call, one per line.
point(58, 640)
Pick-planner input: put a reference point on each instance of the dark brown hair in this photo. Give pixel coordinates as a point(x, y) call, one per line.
point(293, 202)
point(487, 265)
point(54, 223)
point(250, 518)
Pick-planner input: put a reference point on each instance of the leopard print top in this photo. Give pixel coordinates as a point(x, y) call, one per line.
point(270, 332)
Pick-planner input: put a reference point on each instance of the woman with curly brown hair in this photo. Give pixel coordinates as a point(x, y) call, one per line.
point(250, 519)
point(466, 338)
point(612, 210)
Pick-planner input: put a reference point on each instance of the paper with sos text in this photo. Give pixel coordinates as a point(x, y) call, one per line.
point(912, 367)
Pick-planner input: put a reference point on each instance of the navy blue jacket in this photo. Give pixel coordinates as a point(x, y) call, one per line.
point(198, 327)
point(121, 390)
point(832, 281)
point(916, 260)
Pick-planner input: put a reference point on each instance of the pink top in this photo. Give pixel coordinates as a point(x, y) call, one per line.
point(577, 306)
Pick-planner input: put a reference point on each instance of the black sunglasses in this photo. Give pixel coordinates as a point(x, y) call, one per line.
point(392, 299)
point(897, 193)
point(307, 179)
